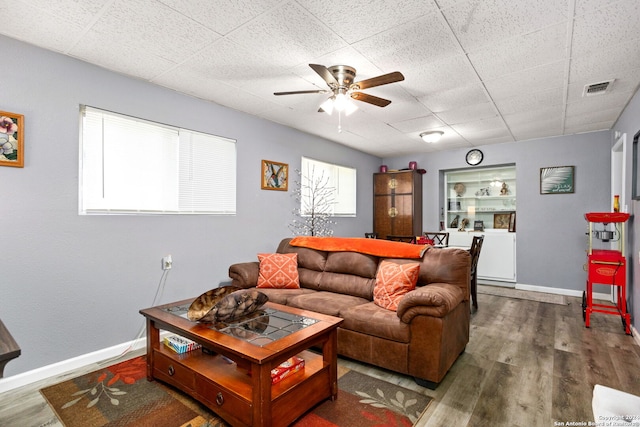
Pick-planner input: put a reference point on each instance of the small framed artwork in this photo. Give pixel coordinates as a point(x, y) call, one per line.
point(512, 222)
point(275, 176)
point(11, 139)
point(478, 225)
point(557, 180)
point(501, 220)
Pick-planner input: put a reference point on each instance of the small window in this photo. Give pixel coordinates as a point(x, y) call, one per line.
point(130, 165)
point(340, 181)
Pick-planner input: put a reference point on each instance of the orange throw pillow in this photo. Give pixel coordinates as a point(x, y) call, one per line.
point(278, 271)
point(393, 281)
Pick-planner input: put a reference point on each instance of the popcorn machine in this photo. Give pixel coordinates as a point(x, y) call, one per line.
point(607, 266)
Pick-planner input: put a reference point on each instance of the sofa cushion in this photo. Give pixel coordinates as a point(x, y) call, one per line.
point(371, 319)
point(394, 281)
point(283, 296)
point(352, 263)
point(348, 284)
point(278, 271)
point(326, 302)
point(307, 258)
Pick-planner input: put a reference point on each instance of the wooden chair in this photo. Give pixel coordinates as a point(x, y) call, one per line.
point(371, 235)
point(439, 238)
point(398, 238)
point(476, 246)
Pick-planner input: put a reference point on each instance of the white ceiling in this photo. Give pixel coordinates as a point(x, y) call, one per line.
point(482, 71)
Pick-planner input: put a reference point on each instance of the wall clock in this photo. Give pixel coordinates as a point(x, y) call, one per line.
point(474, 157)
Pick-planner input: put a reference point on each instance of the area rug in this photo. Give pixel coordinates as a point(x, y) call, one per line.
point(519, 294)
point(120, 395)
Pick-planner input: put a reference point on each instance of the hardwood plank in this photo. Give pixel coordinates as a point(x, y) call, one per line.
point(496, 403)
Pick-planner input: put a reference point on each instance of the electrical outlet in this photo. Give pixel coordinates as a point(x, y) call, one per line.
point(167, 262)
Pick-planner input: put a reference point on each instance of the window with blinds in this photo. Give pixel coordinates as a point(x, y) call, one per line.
point(134, 166)
point(340, 181)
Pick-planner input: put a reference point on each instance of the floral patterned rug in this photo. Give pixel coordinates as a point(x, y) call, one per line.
point(120, 395)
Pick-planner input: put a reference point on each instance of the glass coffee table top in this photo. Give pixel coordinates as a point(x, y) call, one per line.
point(258, 328)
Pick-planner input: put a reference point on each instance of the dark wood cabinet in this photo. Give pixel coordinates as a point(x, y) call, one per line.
point(397, 203)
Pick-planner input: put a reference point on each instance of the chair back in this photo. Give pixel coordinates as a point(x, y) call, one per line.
point(476, 246)
point(439, 238)
point(397, 238)
point(371, 235)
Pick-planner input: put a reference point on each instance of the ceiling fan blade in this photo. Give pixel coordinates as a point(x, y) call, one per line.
point(325, 74)
point(297, 92)
point(365, 97)
point(384, 79)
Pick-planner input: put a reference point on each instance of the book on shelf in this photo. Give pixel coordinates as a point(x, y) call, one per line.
point(180, 344)
point(288, 367)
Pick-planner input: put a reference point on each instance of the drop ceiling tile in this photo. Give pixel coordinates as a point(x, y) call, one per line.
point(588, 127)
point(553, 125)
point(39, 27)
point(74, 11)
point(496, 140)
point(533, 116)
point(579, 119)
point(411, 45)
point(440, 74)
point(127, 59)
point(585, 6)
point(599, 102)
point(401, 108)
point(381, 15)
point(527, 81)
point(225, 16)
point(607, 64)
point(481, 22)
point(537, 134)
point(157, 30)
point(289, 33)
point(493, 123)
point(604, 28)
point(530, 102)
point(455, 98)
point(520, 53)
point(468, 113)
point(343, 56)
point(418, 125)
point(478, 137)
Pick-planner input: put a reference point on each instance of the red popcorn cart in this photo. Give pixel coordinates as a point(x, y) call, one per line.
point(607, 266)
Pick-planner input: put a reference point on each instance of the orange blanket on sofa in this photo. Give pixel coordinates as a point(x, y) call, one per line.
point(376, 247)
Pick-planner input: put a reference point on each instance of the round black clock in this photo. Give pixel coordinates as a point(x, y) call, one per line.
point(474, 157)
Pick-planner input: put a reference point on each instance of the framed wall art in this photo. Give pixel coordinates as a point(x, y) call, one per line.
point(512, 222)
point(557, 180)
point(501, 220)
point(11, 139)
point(275, 176)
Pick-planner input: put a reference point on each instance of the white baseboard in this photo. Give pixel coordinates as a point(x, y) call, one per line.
point(559, 291)
point(35, 375)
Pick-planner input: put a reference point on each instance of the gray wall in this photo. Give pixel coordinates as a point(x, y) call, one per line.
point(629, 123)
point(551, 240)
point(70, 284)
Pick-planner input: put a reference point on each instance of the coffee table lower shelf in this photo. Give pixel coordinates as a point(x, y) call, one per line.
point(228, 391)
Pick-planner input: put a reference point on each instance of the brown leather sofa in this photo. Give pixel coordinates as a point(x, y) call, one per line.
point(423, 338)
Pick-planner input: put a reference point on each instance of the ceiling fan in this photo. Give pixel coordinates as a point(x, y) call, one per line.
point(340, 79)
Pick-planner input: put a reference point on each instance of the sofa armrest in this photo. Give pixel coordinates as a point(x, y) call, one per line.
point(245, 274)
point(435, 299)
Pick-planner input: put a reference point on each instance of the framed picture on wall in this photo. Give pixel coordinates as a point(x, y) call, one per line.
point(557, 180)
point(512, 222)
point(11, 139)
point(275, 176)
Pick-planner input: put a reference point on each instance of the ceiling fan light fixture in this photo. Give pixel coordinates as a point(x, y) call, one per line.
point(431, 137)
point(327, 106)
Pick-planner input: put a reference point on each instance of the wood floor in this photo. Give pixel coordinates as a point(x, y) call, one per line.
point(527, 364)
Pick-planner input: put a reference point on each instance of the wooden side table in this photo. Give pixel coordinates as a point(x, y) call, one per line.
point(9, 348)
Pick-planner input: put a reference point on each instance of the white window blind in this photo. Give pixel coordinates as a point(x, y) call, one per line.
point(340, 179)
point(129, 165)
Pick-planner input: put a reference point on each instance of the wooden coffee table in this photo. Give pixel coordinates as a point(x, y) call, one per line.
point(218, 376)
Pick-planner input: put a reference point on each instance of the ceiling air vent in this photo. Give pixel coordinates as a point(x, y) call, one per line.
point(597, 88)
